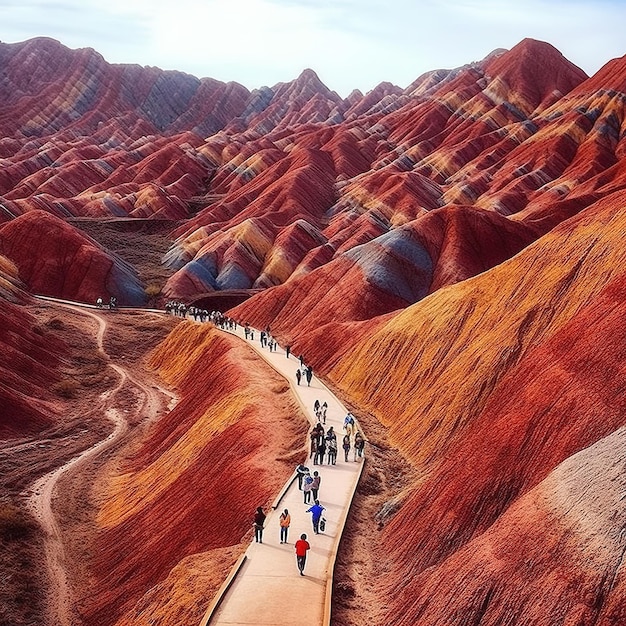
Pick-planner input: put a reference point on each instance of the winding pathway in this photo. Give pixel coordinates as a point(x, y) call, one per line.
point(265, 588)
point(40, 495)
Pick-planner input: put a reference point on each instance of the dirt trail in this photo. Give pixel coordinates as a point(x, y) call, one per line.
point(41, 493)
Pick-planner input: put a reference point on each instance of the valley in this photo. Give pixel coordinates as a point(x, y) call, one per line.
point(447, 257)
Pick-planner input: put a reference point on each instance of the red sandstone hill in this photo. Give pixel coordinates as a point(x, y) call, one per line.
point(54, 259)
point(185, 491)
point(507, 396)
point(427, 152)
point(134, 141)
point(389, 273)
point(29, 357)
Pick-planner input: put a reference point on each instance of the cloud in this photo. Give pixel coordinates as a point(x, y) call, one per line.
point(349, 43)
point(102, 26)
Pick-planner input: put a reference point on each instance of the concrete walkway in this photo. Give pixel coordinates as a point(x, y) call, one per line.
point(267, 589)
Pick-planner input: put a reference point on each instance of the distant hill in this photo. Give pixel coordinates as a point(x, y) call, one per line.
point(272, 184)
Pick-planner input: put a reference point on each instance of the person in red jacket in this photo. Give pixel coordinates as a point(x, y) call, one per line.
point(302, 545)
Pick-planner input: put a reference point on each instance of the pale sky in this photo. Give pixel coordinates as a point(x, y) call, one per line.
point(349, 43)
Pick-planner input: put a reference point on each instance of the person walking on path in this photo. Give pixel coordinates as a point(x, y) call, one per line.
point(298, 375)
point(284, 520)
point(259, 521)
point(315, 485)
point(316, 514)
point(346, 446)
point(332, 451)
point(320, 451)
point(349, 424)
point(309, 375)
point(287, 350)
point(302, 545)
point(317, 440)
point(301, 471)
point(359, 445)
point(306, 488)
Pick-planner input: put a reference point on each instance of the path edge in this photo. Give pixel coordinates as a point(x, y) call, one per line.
point(223, 590)
point(331, 570)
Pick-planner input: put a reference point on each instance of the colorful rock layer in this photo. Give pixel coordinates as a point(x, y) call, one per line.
point(193, 483)
point(54, 259)
point(275, 183)
point(29, 358)
point(449, 255)
point(507, 396)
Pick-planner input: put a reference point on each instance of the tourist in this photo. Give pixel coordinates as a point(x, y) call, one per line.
point(302, 545)
point(320, 451)
point(301, 471)
point(315, 485)
point(332, 451)
point(349, 424)
point(306, 487)
point(346, 445)
point(359, 445)
point(284, 520)
point(259, 521)
point(316, 514)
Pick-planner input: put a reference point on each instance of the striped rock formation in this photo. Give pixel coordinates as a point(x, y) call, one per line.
point(54, 259)
point(448, 255)
point(29, 358)
point(183, 498)
point(507, 396)
point(448, 145)
point(514, 134)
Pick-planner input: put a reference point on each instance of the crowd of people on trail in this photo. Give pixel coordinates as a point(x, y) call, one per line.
point(176, 308)
point(180, 309)
point(323, 446)
point(323, 450)
point(265, 337)
point(304, 373)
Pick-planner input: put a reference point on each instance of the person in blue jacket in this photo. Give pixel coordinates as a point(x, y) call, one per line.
point(316, 514)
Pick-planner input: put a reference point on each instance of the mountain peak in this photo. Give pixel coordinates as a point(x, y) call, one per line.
point(536, 71)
